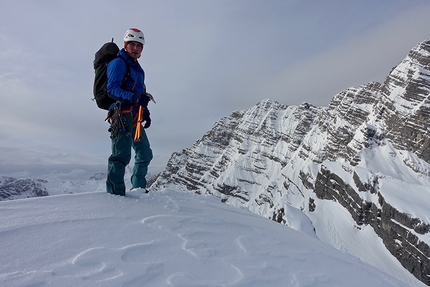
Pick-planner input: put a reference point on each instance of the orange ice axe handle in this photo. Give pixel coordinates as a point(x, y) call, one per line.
point(139, 125)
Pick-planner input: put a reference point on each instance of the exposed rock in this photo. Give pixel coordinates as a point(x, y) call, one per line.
point(12, 188)
point(271, 156)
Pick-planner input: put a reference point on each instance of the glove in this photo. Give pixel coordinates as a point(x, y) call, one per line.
point(140, 99)
point(146, 118)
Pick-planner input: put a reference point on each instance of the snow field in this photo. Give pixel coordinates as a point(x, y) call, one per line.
point(167, 238)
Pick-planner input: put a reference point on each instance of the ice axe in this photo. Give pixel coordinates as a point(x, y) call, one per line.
point(139, 124)
point(138, 132)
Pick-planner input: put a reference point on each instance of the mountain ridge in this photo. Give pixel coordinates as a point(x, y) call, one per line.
point(356, 151)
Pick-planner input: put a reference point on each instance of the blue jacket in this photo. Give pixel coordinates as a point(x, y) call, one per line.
point(135, 83)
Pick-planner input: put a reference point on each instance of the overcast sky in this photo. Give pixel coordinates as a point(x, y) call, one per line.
point(203, 59)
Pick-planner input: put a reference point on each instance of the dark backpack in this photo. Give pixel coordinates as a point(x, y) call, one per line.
point(103, 56)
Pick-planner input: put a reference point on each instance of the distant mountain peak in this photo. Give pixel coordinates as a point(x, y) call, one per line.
point(13, 188)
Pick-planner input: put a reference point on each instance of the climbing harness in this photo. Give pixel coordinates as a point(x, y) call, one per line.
point(118, 123)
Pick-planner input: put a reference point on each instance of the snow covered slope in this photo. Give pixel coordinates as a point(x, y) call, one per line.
point(359, 169)
point(167, 238)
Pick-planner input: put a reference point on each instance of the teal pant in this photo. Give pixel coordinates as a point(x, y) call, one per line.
point(122, 142)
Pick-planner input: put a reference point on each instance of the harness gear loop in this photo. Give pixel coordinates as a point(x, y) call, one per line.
point(117, 121)
point(127, 111)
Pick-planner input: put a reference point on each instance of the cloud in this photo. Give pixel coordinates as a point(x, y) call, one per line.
point(203, 60)
point(358, 60)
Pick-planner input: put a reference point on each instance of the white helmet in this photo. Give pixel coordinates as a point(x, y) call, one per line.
point(134, 35)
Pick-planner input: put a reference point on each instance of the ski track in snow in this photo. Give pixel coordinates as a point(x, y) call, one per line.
point(163, 239)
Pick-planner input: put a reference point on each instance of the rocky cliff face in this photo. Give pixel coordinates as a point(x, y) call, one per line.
point(12, 188)
point(367, 152)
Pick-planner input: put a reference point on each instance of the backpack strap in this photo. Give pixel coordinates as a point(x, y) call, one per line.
point(127, 73)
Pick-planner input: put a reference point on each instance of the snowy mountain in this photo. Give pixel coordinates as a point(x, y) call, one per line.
point(13, 188)
point(359, 169)
point(17, 188)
